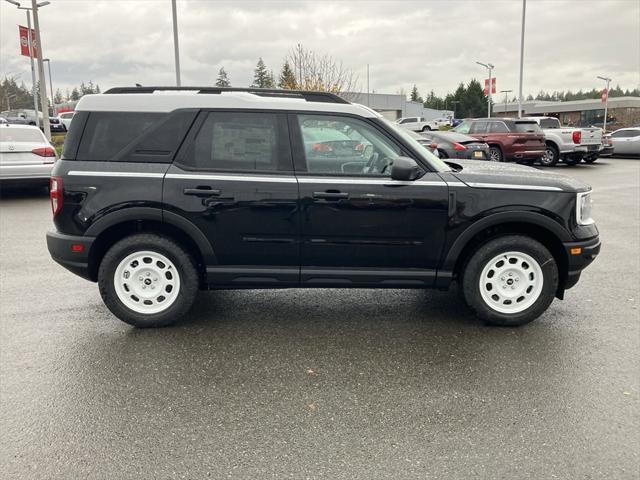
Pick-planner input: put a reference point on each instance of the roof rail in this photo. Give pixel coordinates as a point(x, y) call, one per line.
point(325, 97)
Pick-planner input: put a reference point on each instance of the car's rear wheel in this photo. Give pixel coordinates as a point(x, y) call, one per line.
point(510, 280)
point(495, 154)
point(571, 160)
point(590, 159)
point(148, 280)
point(550, 157)
point(426, 128)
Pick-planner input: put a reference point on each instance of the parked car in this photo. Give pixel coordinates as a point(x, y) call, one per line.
point(418, 124)
point(65, 118)
point(425, 142)
point(607, 146)
point(26, 156)
point(568, 144)
point(22, 117)
point(3, 120)
point(508, 139)
point(626, 141)
point(458, 145)
point(157, 196)
point(56, 125)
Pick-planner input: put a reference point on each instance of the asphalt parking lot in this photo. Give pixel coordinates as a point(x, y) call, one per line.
point(322, 383)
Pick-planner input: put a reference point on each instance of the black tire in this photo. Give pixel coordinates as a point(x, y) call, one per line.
point(495, 154)
point(184, 266)
point(484, 255)
point(550, 157)
point(571, 161)
point(590, 159)
point(426, 128)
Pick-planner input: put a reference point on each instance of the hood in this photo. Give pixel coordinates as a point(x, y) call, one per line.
point(483, 174)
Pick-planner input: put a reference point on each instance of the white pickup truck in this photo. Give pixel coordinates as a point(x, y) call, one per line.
point(420, 124)
point(569, 144)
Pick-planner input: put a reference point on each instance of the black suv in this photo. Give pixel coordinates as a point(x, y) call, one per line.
point(160, 193)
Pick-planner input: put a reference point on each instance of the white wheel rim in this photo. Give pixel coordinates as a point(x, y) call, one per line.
point(494, 155)
point(147, 282)
point(511, 282)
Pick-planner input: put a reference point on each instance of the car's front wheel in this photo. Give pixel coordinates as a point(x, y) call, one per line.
point(510, 280)
point(495, 154)
point(148, 280)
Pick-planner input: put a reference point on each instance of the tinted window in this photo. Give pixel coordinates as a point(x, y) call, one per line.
point(22, 135)
point(478, 127)
point(464, 127)
point(108, 133)
point(549, 123)
point(345, 146)
point(240, 141)
point(498, 127)
point(528, 127)
point(625, 133)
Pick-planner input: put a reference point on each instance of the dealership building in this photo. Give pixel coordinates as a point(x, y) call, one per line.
point(621, 111)
point(394, 106)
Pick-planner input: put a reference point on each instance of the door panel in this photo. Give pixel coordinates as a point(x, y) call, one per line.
point(250, 217)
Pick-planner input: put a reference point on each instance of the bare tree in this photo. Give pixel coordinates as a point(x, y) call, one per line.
point(321, 73)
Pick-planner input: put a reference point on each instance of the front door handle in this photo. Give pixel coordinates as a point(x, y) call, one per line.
point(202, 192)
point(330, 195)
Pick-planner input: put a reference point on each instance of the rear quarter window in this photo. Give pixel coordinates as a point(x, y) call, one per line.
point(528, 127)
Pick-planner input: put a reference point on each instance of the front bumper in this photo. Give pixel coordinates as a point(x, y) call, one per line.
point(65, 250)
point(580, 255)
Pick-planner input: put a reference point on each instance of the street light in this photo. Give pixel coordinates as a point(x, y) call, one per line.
point(524, 11)
point(606, 102)
point(43, 87)
point(505, 99)
point(53, 106)
point(489, 67)
point(176, 48)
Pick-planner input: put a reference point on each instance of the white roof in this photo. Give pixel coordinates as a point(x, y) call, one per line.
point(167, 101)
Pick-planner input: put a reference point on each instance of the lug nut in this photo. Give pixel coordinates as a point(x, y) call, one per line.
point(140, 278)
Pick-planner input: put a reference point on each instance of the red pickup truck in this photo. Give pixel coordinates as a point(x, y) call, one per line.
point(509, 139)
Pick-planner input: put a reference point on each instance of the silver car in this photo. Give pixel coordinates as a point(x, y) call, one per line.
point(626, 141)
point(25, 155)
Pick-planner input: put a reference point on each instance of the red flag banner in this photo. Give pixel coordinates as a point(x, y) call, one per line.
point(486, 86)
point(605, 94)
point(24, 41)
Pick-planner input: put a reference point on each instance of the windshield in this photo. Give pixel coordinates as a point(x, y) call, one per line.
point(428, 157)
point(31, 135)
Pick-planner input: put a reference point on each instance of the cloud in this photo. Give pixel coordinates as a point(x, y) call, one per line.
point(433, 44)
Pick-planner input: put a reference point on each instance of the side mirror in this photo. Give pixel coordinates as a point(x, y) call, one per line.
point(404, 168)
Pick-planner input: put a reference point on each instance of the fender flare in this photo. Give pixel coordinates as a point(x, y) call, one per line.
point(159, 215)
point(531, 218)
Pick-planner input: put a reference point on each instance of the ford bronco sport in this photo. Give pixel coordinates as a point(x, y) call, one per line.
point(162, 191)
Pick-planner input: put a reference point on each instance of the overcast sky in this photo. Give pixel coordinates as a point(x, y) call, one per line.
point(433, 44)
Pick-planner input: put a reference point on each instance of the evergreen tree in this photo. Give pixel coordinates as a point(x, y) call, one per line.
point(474, 101)
point(261, 77)
point(75, 95)
point(287, 78)
point(415, 95)
point(223, 78)
point(57, 98)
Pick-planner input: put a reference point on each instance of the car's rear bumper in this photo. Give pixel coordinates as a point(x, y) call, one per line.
point(580, 255)
point(26, 172)
point(66, 250)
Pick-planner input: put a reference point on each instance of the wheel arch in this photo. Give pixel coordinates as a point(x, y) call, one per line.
point(530, 224)
point(118, 225)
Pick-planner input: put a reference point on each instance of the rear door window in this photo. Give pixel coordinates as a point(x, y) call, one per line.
point(240, 141)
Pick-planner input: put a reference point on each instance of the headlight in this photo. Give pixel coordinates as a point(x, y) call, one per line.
point(583, 208)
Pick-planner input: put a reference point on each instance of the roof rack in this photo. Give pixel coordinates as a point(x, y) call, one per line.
point(325, 97)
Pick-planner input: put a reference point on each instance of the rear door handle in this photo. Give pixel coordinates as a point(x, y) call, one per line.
point(202, 192)
point(330, 195)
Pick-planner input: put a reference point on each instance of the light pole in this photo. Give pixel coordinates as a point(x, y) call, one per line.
point(43, 82)
point(489, 67)
point(176, 48)
point(524, 9)
point(505, 99)
point(606, 103)
point(454, 107)
point(34, 92)
point(53, 106)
